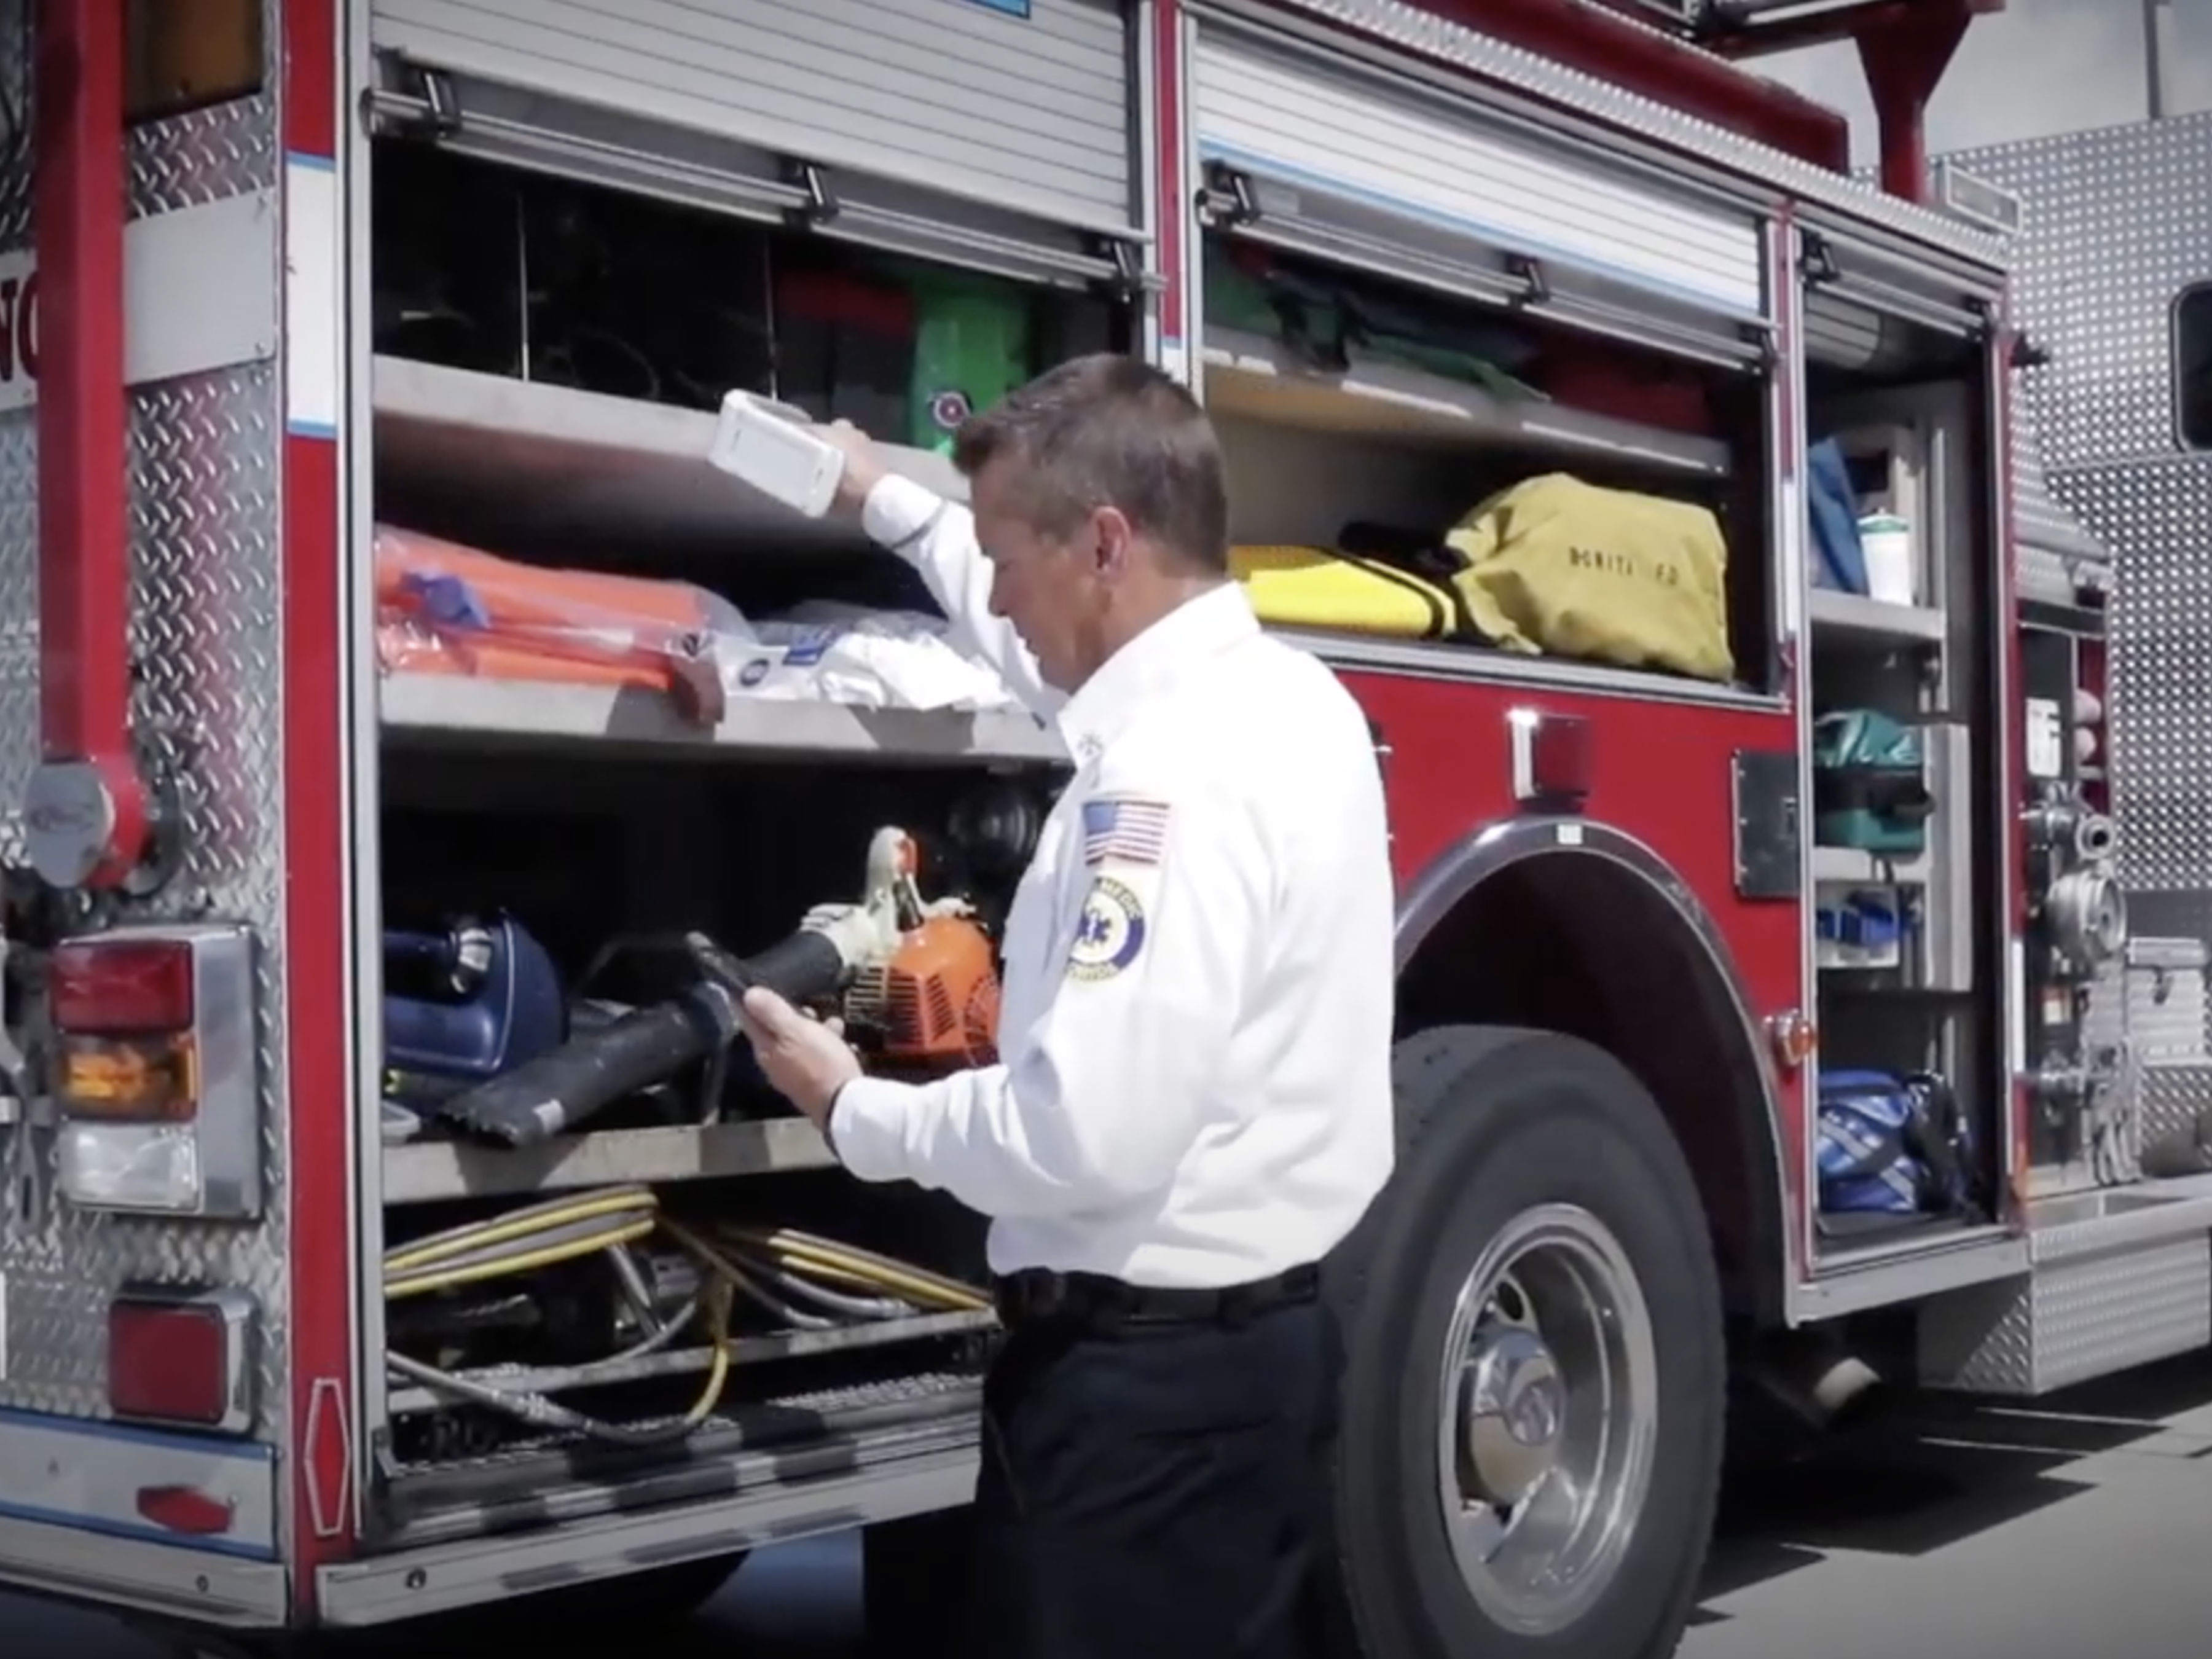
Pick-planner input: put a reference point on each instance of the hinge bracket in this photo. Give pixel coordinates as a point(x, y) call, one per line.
point(820, 206)
point(1537, 290)
point(1227, 200)
point(1128, 279)
point(422, 103)
point(1818, 265)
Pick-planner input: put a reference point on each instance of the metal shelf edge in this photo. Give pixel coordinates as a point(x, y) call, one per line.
point(436, 395)
point(423, 1171)
point(486, 710)
point(1853, 613)
point(1262, 382)
point(563, 470)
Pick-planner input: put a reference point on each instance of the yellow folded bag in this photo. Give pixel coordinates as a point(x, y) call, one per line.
point(1557, 565)
point(1319, 587)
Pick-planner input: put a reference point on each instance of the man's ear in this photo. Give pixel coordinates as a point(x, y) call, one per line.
point(1113, 542)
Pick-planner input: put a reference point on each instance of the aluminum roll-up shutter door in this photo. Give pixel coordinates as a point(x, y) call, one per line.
point(1022, 109)
point(1869, 307)
point(1358, 166)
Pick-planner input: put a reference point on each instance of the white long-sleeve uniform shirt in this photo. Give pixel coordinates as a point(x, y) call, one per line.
point(1194, 1083)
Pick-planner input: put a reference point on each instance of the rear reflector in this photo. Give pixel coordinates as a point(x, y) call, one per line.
point(179, 1357)
point(1551, 757)
point(181, 1509)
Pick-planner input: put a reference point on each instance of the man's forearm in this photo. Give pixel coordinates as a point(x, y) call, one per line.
point(938, 539)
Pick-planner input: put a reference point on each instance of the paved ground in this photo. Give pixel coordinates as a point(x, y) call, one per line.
point(2079, 1526)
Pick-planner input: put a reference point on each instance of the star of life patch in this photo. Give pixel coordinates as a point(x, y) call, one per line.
point(1130, 828)
point(1109, 933)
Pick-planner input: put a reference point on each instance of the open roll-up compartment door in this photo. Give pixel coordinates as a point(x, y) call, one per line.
point(1874, 310)
point(1376, 170)
point(999, 138)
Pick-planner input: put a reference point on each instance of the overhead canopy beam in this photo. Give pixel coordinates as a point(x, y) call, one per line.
point(1905, 46)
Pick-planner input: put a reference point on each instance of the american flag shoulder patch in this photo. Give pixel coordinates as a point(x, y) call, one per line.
point(1124, 829)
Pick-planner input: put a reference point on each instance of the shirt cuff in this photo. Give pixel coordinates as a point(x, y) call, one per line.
point(896, 509)
point(866, 1127)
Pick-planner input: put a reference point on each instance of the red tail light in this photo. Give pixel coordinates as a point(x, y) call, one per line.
point(155, 1067)
point(179, 1357)
point(109, 987)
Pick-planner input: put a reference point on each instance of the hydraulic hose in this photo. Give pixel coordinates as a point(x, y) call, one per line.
point(542, 1412)
point(737, 1261)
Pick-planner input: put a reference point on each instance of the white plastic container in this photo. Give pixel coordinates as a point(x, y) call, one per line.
point(1886, 541)
point(777, 455)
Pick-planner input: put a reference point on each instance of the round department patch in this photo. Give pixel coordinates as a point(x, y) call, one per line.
point(1109, 933)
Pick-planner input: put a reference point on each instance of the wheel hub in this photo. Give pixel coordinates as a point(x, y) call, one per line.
point(1512, 1409)
point(1547, 1436)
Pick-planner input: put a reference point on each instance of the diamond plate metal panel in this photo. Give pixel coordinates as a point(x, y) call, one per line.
point(204, 456)
point(2151, 1006)
point(2070, 1321)
point(2054, 556)
point(2173, 1099)
point(2114, 223)
point(2157, 516)
point(206, 156)
point(14, 124)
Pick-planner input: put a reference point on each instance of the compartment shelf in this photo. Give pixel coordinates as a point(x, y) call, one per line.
point(563, 463)
point(456, 711)
point(1874, 620)
point(1251, 376)
point(422, 1171)
point(1849, 865)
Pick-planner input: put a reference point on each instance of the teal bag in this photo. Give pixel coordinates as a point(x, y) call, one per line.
point(1869, 784)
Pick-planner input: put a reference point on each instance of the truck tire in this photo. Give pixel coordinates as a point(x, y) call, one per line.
point(1534, 1296)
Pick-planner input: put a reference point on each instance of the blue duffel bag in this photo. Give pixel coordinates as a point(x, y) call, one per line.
point(1892, 1145)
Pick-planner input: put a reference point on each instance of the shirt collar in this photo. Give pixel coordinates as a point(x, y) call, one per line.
point(1150, 664)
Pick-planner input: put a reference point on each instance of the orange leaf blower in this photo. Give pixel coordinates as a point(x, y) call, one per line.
point(916, 982)
point(928, 1000)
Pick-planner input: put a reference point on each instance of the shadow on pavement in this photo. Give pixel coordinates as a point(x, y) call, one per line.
point(1935, 1471)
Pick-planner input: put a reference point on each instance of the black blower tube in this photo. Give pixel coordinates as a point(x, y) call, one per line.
point(585, 1075)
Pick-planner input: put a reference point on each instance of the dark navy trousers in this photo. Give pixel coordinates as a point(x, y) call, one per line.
point(1153, 1492)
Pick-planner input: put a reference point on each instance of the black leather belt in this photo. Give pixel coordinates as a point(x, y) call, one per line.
point(1038, 1296)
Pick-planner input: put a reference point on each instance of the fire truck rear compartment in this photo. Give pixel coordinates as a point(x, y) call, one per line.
point(678, 1299)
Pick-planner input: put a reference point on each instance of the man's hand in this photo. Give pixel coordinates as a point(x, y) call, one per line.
point(864, 467)
point(806, 1060)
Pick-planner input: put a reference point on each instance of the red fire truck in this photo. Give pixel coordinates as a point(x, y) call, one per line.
point(416, 738)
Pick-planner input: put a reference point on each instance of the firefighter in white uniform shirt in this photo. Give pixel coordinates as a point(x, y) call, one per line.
point(1193, 1103)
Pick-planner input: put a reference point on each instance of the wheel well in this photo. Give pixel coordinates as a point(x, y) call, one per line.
point(1585, 945)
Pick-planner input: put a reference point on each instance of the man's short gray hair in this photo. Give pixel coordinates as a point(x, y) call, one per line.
point(1107, 430)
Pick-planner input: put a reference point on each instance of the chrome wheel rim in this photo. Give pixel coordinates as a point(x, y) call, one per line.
point(1550, 1405)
